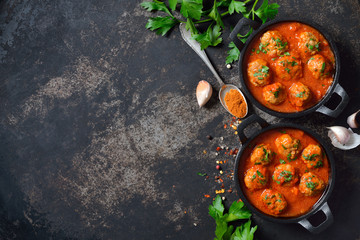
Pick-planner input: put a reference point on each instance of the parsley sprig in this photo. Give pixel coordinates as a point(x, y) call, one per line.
point(237, 211)
point(192, 13)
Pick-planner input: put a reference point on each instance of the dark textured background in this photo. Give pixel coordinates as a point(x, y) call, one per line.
point(101, 135)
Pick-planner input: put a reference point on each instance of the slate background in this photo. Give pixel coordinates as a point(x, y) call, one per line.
point(101, 135)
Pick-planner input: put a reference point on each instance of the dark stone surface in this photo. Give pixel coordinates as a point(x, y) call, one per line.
point(101, 135)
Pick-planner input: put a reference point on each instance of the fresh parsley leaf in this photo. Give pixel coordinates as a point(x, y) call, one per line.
point(215, 15)
point(172, 4)
point(191, 9)
point(237, 211)
point(190, 25)
point(244, 232)
point(221, 229)
point(237, 7)
point(154, 6)
point(233, 53)
point(267, 11)
point(161, 24)
point(210, 38)
point(216, 210)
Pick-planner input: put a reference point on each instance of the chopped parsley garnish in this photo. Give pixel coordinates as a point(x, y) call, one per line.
point(282, 131)
point(311, 185)
point(301, 94)
point(283, 146)
point(282, 161)
point(319, 164)
point(310, 157)
point(253, 177)
point(259, 173)
point(201, 174)
point(266, 158)
point(287, 69)
point(286, 53)
point(293, 63)
point(276, 93)
point(287, 175)
point(323, 67)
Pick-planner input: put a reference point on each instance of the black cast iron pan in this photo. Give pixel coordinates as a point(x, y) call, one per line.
point(320, 205)
point(245, 23)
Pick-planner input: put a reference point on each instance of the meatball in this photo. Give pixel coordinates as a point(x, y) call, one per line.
point(256, 178)
point(287, 146)
point(288, 68)
point(309, 43)
point(274, 93)
point(311, 184)
point(261, 155)
point(312, 156)
point(259, 72)
point(273, 43)
point(274, 201)
point(299, 94)
point(319, 67)
point(286, 175)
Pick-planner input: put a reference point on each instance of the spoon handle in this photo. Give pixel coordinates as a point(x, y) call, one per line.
point(186, 35)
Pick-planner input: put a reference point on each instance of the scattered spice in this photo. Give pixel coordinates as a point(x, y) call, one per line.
point(207, 195)
point(218, 167)
point(236, 103)
point(209, 137)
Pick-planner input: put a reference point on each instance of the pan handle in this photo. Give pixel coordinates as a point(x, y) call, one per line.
point(245, 123)
point(328, 221)
point(242, 23)
point(344, 101)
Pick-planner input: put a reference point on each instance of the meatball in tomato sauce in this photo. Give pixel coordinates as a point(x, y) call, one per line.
point(288, 146)
point(259, 73)
point(311, 184)
point(274, 201)
point(256, 178)
point(274, 93)
point(288, 68)
point(262, 154)
point(286, 175)
point(319, 67)
point(309, 43)
point(273, 43)
point(312, 156)
point(299, 94)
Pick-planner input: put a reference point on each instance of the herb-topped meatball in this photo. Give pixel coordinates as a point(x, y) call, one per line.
point(288, 67)
point(261, 155)
point(286, 175)
point(274, 201)
point(309, 43)
point(311, 184)
point(299, 94)
point(312, 156)
point(319, 67)
point(273, 43)
point(288, 146)
point(256, 178)
point(274, 93)
point(259, 72)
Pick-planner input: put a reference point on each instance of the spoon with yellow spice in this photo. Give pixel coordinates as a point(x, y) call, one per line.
point(230, 96)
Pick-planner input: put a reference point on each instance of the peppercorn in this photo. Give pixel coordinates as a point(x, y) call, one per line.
point(218, 167)
point(209, 137)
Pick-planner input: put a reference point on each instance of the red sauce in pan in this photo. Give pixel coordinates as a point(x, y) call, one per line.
point(298, 202)
point(297, 53)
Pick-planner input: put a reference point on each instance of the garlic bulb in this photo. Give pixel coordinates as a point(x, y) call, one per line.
point(342, 134)
point(343, 138)
point(354, 120)
point(203, 92)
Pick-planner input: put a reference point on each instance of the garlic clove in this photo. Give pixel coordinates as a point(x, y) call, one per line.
point(354, 120)
point(341, 134)
point(353, 142)
point(203, 92)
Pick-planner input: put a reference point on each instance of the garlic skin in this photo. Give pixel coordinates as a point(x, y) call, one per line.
point(353, 120)
point(353, 142)
point(203, 92)
point(341, 134)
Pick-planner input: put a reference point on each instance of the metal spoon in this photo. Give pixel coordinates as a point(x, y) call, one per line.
point(224, 88)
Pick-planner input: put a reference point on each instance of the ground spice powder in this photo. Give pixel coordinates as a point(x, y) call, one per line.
point(235, 103)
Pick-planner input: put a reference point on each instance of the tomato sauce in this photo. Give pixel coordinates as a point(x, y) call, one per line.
point(318, 87)
point(297, 203)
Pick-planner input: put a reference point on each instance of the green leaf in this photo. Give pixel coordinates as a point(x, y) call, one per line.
point(209, 38)
point(233, 53)
point(215, 15)
point(244, 232)
point(221, 229)
point(216, 210)
point(172, 4)
point(201, 174)
point(191, 9)
point(155, 6)
point(190, 25)
point(237, 211)
point(161, 24)
point(266, 11)
point(237, 6)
